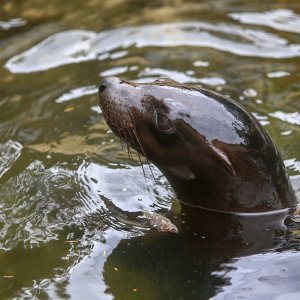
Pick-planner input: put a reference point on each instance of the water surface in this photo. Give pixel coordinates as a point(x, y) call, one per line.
point(69, 192)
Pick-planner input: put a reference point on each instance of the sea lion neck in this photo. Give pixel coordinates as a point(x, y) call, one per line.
point(214, 153)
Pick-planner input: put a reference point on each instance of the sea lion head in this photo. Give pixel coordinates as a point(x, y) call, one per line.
point(214, 153)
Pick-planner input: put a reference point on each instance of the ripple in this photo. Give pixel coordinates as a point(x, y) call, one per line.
point(125, 186)
point(77, 93)
point(263, 275)
point(291, 118)
point(59, 49)
point(97, 109)
point(263, 120)
point(287, 132)
point(9, 153)
point(250, 92)
point(278, 74)
point(36, 205)
point(279, 19)
point(292, 164)
point(12, 23)
point(81, 45)
point(200, 63)
point(295, 180)
point(183, 77)
point(114, 71)
point(113, 195)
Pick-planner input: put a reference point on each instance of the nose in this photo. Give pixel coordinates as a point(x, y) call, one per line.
point(102, 85)
point(107, 81)
point(101, 88)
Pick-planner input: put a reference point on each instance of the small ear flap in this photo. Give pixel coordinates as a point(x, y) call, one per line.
point(224, 158)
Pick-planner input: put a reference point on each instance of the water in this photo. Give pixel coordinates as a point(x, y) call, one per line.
point(69, 193)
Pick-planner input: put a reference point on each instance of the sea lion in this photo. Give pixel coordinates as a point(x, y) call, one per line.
point(215, 155)
point(227, 174)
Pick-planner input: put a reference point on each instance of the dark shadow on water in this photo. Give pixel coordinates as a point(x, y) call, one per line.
point(202, 260)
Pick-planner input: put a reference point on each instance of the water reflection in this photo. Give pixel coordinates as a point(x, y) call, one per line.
point(267, 275)
point(66, 211)
point(280, 19)
point(9, 153)
point(77, 93)
point(38, 219)
point(69, 197)
point(76, 207)
point(81, 45)
point(12, 23)
point(292, 118)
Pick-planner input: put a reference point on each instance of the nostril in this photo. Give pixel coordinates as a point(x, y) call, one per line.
point(102, 87)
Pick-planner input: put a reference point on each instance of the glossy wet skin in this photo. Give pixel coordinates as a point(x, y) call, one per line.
point(214, 154)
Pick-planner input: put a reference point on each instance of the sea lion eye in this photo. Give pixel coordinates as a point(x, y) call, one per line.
point(163, 123)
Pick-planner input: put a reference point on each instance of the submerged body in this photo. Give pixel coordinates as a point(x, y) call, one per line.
point(214, 154)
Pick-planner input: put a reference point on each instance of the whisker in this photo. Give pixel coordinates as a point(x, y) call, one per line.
point(136, 136)
point(122, 144)
point(149, 165)
point(142, 166)
point(129, 154)
point(140, 145)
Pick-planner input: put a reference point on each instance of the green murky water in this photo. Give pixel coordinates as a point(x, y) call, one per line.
point(66, 184)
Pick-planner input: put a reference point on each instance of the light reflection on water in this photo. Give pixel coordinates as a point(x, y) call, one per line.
point(80, 45)
point(280, 19)
point(69, 196)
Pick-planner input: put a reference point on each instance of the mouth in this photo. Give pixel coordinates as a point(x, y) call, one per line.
point(117, 112)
